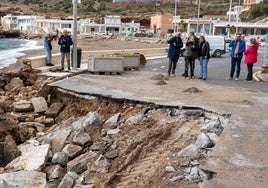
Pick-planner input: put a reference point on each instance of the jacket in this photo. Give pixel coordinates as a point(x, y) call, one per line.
point(174, 50)
point(204, 49)
point(242, 47)
point(251, 54)
point(65, 42)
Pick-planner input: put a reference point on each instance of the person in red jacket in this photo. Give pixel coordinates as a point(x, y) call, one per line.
point(251, 54)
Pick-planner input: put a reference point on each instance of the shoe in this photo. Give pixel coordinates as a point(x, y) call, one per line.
point(192, 77)
point(228, 78)
point(50, 64)
point(236, 78)
point(204, 78)
point(173, 75)
point(249, 80)
point(188, 78)
point(200, 78)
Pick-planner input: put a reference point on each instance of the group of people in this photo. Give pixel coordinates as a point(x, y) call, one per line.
point(65, 42)
point(199, 48)
point(195, 48)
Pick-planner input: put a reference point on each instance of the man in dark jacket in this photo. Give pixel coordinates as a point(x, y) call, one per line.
point(65, 42)
point(175, 45)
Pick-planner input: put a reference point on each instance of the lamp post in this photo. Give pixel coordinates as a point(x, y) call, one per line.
point(237, 15)
point(74, 32)
point(198, 16)
point(230, 9)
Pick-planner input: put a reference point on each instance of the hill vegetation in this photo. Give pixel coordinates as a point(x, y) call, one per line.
point(100, 8)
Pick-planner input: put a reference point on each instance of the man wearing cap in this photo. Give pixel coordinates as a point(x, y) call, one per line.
point(238, 47)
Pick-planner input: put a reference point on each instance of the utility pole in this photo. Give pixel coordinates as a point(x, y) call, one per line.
point(198, 16)
point(230, 9)
point(237, 15)
point(74, 32)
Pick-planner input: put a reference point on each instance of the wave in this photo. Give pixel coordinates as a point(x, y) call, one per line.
point(12, 49)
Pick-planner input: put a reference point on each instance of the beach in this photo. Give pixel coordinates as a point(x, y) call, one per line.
point(92, 43)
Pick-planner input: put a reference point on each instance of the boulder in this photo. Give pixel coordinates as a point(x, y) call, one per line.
point(54, 110)
point(72, 150)
point(79, 164)
point(8, 126)
point(112, 121)
point(32, 157)
point(189, 151)
point(66, 182)
point(203, 141)
point(82, 138)
point(135, 119)
point(60, 158)
point(25, 179)
point(23, 106)
point(54, 172)
point(101, 165)
point(39, 104)
point(14, 84)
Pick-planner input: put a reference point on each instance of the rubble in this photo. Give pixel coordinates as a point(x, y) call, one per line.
point(70, 141)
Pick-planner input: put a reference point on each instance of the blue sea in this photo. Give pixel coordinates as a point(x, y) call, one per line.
point(11, 49)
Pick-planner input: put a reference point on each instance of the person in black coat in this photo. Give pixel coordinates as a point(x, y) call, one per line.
point(203, 56)
point(65, 42)
point(175, 45)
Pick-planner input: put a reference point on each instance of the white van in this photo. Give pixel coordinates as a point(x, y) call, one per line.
point(216, 43)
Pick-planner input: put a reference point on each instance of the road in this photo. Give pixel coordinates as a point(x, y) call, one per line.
point(218, 70)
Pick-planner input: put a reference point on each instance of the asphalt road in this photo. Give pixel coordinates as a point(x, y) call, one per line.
point(218, 70)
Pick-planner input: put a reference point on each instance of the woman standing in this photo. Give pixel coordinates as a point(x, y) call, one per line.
point(203, 55)
point(251, 54)
point(48, 48)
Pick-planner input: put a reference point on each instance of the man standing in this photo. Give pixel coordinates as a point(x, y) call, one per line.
point(65, 42)
point(175, 45)
point(238, 47)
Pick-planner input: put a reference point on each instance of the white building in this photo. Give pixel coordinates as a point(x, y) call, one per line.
point(48, 24)
point(22, 23)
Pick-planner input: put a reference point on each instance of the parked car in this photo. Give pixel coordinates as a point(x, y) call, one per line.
point(139, 35)
point(150, 34)
point(100, 33)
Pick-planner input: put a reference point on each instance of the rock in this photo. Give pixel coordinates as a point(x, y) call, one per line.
point(213, 126)
point(72, 150)
point(82, 138)
point(194, 174)
point(203, 141)
point(176, 178)
point(48, 122)
point(57, 139)
point(14, 84)
point(160, 82)
point(192, 90)
point(8, 150)
point(54, 110)
point(8, 126)
point(159, 77)
point(112, 121)
point(170, 169)
point(24, 117)
point(194, 113)
point(213, 138)
point(112, 154)
point(4, 184)
point(37, 126)
point(25, 179)
point(101, 165)
point(32, 157)
point(135, 119)
point(79, 164)
point(66, 182)
point(23, 106)
point(203, 174)
point(39, 104)
point(60, 158)
point(113, 131)
point(189, 151)
point(91, 124)
point(54, 172)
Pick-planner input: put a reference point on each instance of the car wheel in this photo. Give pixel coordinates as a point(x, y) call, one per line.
point(217, 53)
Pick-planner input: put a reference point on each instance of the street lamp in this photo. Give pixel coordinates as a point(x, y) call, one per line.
point(74, 32)
point(198, 15)
point(230, 9)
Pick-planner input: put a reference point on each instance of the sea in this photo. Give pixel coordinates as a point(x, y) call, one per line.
point(12, 49)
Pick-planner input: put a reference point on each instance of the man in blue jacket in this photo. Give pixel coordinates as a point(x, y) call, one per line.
point(238, 47)
point(65, 43)
point(175, 45)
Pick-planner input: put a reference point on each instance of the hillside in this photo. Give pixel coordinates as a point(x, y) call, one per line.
point(89, 8)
